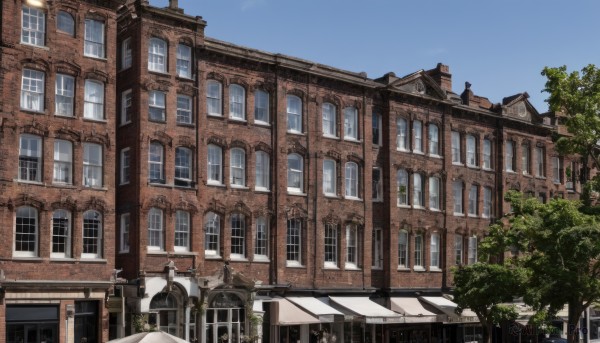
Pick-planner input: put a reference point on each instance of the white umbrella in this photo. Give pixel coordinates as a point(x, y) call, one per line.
point(149, 337)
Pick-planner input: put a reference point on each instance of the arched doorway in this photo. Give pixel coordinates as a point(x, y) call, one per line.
point(225, 318)
point(164, 306)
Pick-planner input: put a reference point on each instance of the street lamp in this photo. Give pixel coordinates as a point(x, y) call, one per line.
point(36, 3)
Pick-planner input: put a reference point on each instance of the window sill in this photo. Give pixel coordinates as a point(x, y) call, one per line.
point(215, 184)
point(261, 259)
point(351, 266)
point(296, 193)
point(378, 200)
point(62, 259)
point(418, 152)
point(190, 125)
point(294, 264)
point(415, 207)
point(28, 110)
point(43, 47)
point(237, 120)
point(331, 137)
point(238, 259)
point(487, 169)
point(472, 166)
point(402, 150)
point(124, 183)
point(185, 253)
point(419, 269)
point(239, 187)
point(215, 115)
point(123, 252)
point(403, 269)
point(104, 189)
point(472, 216)
point(435, 210)
point(510, 171)
point(557, 183)
point(262, 123)
point(124, 69)
point(213, 257)
point(331, 267)
point(37, 183)
point(156, 252)
point(353, 198)
point(457, 214)
point(184, 78)
point(377, 268)
point(63, 116)
point(63, 185)
point(331, 196)
point(403, 206)
point(157, 121)
point(159, 73)
point(435, 269)
point(97, 58)
point(352, 139)
point(93, 260)
point(297, 133)
point(435, 156)
point(458, 164)
point(93, 120)
point(352, 269)
point(27, 258)
point(262, 190)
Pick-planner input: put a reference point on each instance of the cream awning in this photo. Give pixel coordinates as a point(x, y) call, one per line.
point(412, 310)
point(372, 312)
point(289, 314)
point(449, 309)
point(317, 308)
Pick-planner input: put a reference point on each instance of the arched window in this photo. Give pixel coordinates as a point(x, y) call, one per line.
point(61, 234)
point(166, 306)
point(294, 114)
point(237, 167)
point(26, 232)
point(212, 229)
point(92, 234)
point(295, 173)
point(237, 102)
point(157, 55)
point(156, 163)
point(350, 123)
point(65, 23)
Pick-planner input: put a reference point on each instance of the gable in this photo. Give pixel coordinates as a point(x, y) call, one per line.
point(419, 83)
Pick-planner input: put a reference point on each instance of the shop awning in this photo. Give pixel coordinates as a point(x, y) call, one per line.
point(449, 309)
point(412, 310)
point(372, 312)
point(318, 308)
point(289, 314)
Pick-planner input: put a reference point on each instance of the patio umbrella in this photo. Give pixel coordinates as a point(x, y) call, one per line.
point(149, 337)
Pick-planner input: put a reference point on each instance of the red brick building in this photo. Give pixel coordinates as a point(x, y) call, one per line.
point(57, 189)
point(237, 190)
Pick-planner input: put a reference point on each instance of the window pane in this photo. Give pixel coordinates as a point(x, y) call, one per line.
point(262, 170)
point(65, 23)
point(184, 109)
point(401, 134)
point(261, 106)
point(155, 162)
point(214, 164)
point(184, 61)
point(93, 100)
point(350, 123)
point(238, 235)
point(213, 98)
point(329, 122)
point(92, 234)
point(156, 105)
point(237, 102)
point(182, 231)
point(26, 231)
point(155, 229)
point(63, 157)
point(30, 153)
point(92, 165)
point(65, 90)
point(157, 58)
point(262, 237)
point(294, 113)
point(94, 38)
point(33, 26)
point(329, 177)
point(32, 90)
point(238, 167)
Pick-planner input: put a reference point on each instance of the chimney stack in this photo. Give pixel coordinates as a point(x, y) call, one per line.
point(174, 4)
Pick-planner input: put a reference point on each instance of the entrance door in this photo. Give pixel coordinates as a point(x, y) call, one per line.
point(225, 319)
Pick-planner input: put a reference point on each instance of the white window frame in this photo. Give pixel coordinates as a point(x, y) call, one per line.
point(509, 156)
point(238, 236)
point(434, 140)
point(214, 95)
point(215, 165)
point(471, 151)
point(156, 231)
point(472, 254)
point(329, 177)
point(65, 23)
point(402, 134)
point(92, 165)
point(377, 184)
point(487, 202)
point(330, 245)
point(295, 171)
point(30, 222)
point(157, 106)
point(126, 54)
point(539, 159)
point(487, 154)
point(33, 90)
point(403, 249)
point(61, 215)
point(402, 182)
point(351, 124)
point(458, 249)
point(261, 242)
point(94, 45)
point(182, 231)
point(63, 162)
point(377, 126)
point(329, 122)
point(261, 107)
point(33, 33)
point(237, 167)
point(262, 171)
point(125, 220)
point(418, 136)
point(156, 162)
point(352, 247)
point(30, 158)
point(474, 201)
point(93, 241)
point(126, 106)
point(157, 55)
point(237, 102)
point(434, 193)
point(64, 95)
point(455, 144)
point(93, 105)
point(351, 175)
point(294, 114)
point(184, 61)
point(556, 169)
point(418, 191)
point(294, 243)
point(419, 252)
point(457, 196)
point(377, 249)
point(434, 252)
point(125, 164)
point(212, 235)
point(184, 109)
point(183, 166)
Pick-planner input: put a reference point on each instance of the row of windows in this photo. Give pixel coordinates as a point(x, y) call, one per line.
point(33, 30)
point(158, 57)
point(31, 163)
point(27, 233)
point(538, 168)
point(435, 250)
point(33, 98)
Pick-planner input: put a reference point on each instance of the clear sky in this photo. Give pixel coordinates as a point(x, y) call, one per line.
point(499, 46)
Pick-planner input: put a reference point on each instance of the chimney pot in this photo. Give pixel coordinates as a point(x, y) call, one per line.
point(173, 4)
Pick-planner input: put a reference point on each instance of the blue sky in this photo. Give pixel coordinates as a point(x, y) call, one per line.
point(499, 46)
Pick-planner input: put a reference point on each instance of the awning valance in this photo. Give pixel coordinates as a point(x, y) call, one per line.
point(372, 312)
point(412, 310)
point(448, 307)
point(318, 308)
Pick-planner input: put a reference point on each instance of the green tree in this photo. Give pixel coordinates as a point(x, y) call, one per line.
point(484, 288)
point(560, 251)
point(577, 96)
